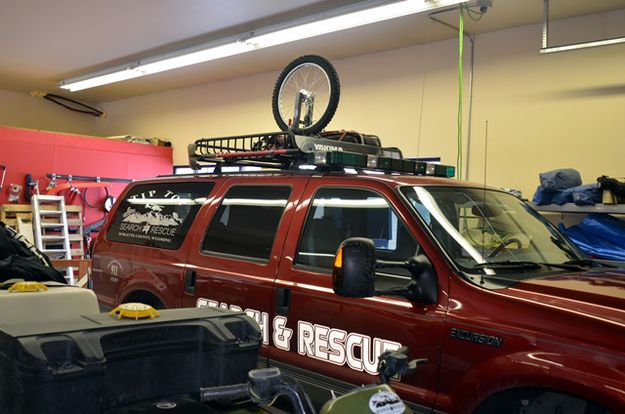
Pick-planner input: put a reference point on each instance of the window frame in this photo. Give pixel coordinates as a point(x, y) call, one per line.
point(252, 259)
point(328, 271)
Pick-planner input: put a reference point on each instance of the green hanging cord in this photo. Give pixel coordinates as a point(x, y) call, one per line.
point(460, 50)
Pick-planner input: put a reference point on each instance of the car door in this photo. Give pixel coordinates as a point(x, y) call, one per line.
point(235, 258)
point(145, 242)
point(330, 341)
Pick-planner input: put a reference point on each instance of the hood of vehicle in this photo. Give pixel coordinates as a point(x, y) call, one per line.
point(598, 294)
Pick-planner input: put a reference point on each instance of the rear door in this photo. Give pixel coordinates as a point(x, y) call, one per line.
point(235, 258)
point(143, 249)
point(333, 342)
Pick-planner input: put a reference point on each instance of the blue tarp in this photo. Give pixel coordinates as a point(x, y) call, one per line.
point(599, 235)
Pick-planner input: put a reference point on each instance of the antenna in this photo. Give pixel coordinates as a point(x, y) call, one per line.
point(485, 152)
point(484, 187)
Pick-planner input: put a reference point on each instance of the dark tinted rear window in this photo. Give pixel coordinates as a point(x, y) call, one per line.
point(158, 215)
point(247, 220)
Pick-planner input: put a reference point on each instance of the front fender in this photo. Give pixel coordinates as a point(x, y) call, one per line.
point(601, 383)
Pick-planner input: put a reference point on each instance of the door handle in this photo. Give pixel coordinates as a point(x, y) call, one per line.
point(189, 281)
point(283, 301)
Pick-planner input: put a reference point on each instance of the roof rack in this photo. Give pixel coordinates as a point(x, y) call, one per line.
point(285, 150)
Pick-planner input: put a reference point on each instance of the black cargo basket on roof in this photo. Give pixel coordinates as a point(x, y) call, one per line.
point(274, 149)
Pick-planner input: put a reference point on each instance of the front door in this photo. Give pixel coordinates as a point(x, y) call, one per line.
point(331, 341)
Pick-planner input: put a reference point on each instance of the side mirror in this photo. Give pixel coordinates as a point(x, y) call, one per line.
point(424, 285)
point(354, 273)
point(354, 268)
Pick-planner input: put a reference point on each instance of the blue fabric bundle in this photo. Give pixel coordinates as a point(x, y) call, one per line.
point(563, 196)
point(560, 179)
point(582, 195)
point(599, 235)
point(540, 197)
point(563, 186)
point(588, 194)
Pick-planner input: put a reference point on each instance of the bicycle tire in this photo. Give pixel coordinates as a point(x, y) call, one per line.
point(328, 95)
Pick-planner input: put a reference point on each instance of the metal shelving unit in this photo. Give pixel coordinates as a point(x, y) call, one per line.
point(571, 208)
point(574, 208)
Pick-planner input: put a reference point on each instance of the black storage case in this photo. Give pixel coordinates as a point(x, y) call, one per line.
point(95, 363)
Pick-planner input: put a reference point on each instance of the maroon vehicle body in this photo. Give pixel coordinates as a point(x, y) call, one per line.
point(554, 339)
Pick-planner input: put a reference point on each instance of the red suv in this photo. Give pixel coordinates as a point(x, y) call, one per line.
point(509, 315)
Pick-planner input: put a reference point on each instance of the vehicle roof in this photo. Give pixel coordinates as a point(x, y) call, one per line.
point(391, 179)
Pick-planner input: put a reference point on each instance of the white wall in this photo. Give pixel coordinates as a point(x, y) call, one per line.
point(546, 111)
point(232, 107)
point(543, 111)
point(22, 110)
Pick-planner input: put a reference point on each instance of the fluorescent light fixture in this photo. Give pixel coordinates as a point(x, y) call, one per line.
point(584, 45)
point(349, 21)
point(545, 49)
point(344, 18)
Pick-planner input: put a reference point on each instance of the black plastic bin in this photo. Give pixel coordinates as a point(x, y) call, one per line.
point(96, 363)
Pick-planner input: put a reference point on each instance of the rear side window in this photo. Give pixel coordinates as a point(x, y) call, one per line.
point(158, 215)
point(340, 213)
point(245, 223)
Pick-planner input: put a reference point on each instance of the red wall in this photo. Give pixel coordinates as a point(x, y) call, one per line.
point(39, 153)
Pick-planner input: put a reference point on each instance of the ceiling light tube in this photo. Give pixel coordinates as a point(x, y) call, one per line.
point(179, 59)
point(193, 58)
point(349, 21)
point(344, 18)
point(98, 80)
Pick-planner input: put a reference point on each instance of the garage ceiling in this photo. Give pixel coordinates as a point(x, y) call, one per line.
point(43, 42)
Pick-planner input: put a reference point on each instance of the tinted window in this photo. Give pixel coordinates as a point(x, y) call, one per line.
point(245, 223)
point(158, 215)
point(338, 213)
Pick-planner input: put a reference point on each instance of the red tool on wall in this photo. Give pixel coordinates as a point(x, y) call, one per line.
point(4, 171)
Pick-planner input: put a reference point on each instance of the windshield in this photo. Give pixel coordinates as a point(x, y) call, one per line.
point(491, 233)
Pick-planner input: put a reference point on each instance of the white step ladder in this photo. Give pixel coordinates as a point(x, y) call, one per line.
point(51, 230)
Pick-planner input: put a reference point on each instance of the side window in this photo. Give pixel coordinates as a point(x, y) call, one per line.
point(245, 223)
point(339, 213)
point(158, 215)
